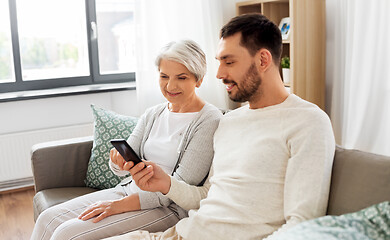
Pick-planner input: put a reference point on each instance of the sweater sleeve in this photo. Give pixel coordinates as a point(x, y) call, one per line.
point(195, 163)
point(188, 196)
point(308, 173)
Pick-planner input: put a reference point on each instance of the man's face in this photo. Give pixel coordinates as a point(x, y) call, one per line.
point(237, 69)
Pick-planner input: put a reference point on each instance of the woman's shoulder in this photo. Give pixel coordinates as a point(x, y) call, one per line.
point(208, 118)
point(209, 114)
point(211, 110)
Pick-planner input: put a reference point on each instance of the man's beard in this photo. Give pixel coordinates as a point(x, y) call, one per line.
point(248, 87)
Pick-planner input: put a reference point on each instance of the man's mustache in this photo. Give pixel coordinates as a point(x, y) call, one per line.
point(227, 81)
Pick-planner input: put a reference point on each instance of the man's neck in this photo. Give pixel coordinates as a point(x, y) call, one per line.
point(271, 92)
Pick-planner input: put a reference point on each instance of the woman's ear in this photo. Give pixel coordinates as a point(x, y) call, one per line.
point(199, 82)
point(265, 59)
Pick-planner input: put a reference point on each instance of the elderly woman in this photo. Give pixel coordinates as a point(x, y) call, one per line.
point(176, 135)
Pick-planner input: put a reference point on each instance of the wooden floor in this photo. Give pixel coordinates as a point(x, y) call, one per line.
point(16, 215)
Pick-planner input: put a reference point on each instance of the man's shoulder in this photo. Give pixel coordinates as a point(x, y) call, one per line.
point(296, 101)
point(304, 116)
point(236, 111)
point(304, 108)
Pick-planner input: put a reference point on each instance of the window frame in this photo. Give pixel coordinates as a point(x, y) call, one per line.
point(44, 84)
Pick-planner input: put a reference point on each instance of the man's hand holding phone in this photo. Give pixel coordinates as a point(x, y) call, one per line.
point(152, 178)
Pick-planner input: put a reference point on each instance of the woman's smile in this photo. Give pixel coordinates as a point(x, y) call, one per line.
point(173, 94)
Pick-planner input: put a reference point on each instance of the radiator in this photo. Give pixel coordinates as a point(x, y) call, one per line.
point(15, 148)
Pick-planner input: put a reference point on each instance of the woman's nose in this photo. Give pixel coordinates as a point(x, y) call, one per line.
point(171, 84)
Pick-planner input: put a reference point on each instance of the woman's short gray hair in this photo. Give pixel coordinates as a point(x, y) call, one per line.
point(186, 52)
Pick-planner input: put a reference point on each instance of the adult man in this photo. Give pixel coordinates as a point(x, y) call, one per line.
point(273, 157)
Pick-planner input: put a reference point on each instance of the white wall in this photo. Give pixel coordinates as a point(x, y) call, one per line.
point(28, 115)
point(229, 9)
point(28, 122)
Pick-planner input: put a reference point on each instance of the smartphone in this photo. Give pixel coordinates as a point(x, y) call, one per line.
point(125, 150)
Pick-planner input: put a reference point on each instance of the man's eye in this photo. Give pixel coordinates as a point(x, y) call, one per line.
point(164, 77)
point(182, 78)
point(229, 63)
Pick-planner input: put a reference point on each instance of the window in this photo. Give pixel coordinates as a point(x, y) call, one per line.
point(6, 60)
point(47, 44)
point(115, 39)
point(52, 39)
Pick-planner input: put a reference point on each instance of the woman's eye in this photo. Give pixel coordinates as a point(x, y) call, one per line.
point(182, 78)
point(164, 77)
point(229, 63)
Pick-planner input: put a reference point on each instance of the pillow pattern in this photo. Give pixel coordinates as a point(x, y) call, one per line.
point(107, 125)
point(370, 223)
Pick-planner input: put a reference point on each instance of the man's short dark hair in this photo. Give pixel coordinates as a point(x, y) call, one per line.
point(257, 32)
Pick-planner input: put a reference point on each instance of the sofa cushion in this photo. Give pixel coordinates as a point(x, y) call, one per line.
point(370, 223)
point(359, 179)
point(50, 197)
point(107, 125)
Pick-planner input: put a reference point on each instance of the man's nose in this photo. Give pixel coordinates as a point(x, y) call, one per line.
point(221, 73)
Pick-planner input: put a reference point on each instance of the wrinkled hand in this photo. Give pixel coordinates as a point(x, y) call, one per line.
point(152, 178)
point(117, 158)
point(101, 210)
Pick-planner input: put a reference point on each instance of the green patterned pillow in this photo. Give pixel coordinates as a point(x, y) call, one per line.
point(107, 125)
point(370, 223)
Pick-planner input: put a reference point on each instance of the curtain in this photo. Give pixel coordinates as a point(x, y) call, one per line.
point(159, 22)
point(358, 73)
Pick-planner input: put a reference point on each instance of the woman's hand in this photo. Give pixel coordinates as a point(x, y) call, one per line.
point(117, 159)
point(103, 209)
point(152, 178)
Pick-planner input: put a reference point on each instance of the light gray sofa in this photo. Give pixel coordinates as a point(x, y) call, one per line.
point(359, 179)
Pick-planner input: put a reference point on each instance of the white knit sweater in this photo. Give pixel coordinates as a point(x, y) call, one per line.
point(271, 170)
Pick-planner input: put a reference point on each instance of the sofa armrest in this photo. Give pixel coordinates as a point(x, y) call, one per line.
point(61, 163)
point(359, 180)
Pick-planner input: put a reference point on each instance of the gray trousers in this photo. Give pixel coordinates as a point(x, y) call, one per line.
point(60, 222)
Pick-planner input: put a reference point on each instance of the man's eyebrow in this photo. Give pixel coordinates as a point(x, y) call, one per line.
point(224, 57)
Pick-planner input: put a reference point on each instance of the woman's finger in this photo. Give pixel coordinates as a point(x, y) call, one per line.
point(119, 160)
point(92, 214)
point(128, 165)
point(112, 151)
point(83, 214)
point(101, 216)
point(87, 211)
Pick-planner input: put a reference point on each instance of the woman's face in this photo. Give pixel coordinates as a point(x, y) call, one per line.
point(177, 84)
